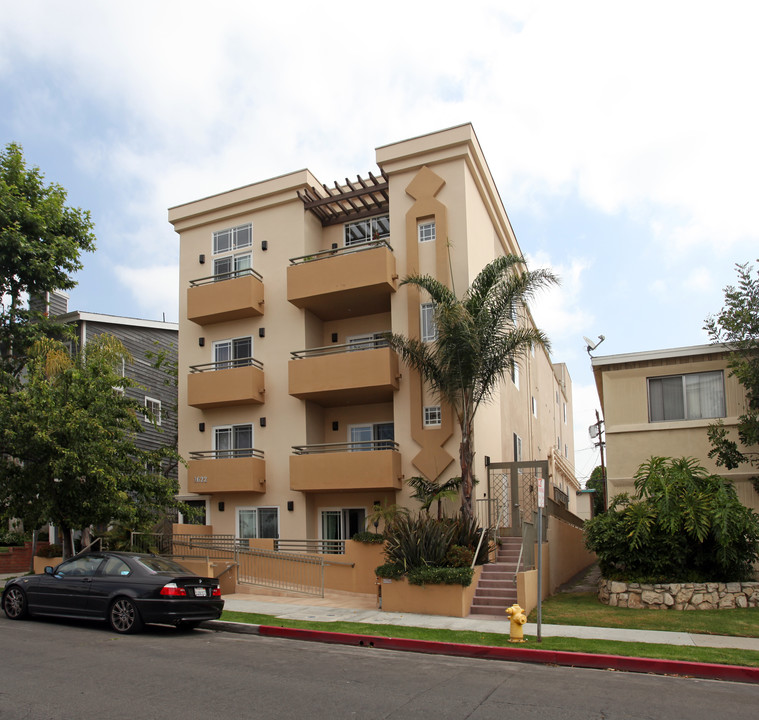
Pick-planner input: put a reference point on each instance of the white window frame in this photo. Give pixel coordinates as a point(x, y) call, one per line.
point(367, 341)
point(372, 225)
point(534, 407)
point(256, 508)
point(374, 439)
point(427, 324)
point(154, 406)
point(515, 374)
point(237, 239)
point(232, 452)
point(688, 413)
point(426, 231)
point(232, 362)
point(433, 416)
point(205, 500)
point(517, 442)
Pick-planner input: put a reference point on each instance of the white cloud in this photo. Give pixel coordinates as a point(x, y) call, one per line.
point(153, 289)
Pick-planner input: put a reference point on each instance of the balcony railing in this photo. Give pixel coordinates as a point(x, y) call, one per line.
point(324, 254)
point(223, 454)
point(225, 276)
point(560, 497)
point(227, 365)
point(359, 446)
point(340, 348)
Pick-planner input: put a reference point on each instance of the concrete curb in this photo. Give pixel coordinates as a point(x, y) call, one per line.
point(709, 671)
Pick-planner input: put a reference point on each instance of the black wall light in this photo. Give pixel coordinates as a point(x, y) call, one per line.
point(335, 425)
point(202, 427)
point(264, 244)
point(262, 422)
point(334, 337)
point(202, 259)
point(261, 332)
point(201, 341)
point(221, 506)
point(290, 505)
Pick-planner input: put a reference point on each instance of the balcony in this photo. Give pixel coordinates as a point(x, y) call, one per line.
point(348, 374)
point(345, 282)
point(221, 384)
point(372, 465)
point(229, 296)
point(217, 471)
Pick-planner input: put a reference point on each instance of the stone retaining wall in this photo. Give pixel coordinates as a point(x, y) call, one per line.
point(679, 596)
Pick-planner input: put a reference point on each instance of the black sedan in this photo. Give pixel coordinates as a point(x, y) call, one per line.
point(126, 589)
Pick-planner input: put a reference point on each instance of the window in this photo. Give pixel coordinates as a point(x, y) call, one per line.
point(153, 408)
point(199, 516)
point(517, 448)
point(686, 397)
point(566, 450)
point(82, 566)
point(233, 441)
point(115, 567)
point(372, 436)
point(432, 416)
point(233, 353)
point(426, 231)
point(231, 241)
point(258, 522)
point(515, 374)
point(367, 342)
point(376, 228)
point(427, 321)
point(534, 406)
point(565, 413)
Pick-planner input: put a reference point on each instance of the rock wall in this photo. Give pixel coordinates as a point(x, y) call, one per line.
point(679, 596)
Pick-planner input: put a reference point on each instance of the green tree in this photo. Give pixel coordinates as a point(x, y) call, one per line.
point(682, 525)
point(737, 326)
point(41, 239)
point(67, 443)
point(478, 341)
point(429, 491)
point(597, 482)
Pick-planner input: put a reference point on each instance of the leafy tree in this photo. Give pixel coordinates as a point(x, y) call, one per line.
point(67, 443)
point(737, 326)
point(682, 525)
point(596, 482)
point(478, 342)
point(41, 239)
point(430, 491)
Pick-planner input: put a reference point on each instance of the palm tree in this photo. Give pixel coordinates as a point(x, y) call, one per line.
point(430, 491)
point(478, 341)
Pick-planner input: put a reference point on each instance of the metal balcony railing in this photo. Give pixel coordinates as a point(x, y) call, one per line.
point(324, 254)
point(368, 344)
point(560, 497)
point(363, 445)
point(222, 454)
point(225, 276)
point(227, 364)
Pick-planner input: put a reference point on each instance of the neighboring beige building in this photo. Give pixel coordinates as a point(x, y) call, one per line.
point(286, 287)
point(660, 403)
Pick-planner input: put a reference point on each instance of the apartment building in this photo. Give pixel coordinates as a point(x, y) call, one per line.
point(294, 415)
point(660, 403)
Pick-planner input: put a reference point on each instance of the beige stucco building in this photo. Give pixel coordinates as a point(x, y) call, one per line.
point(660, 403)
point(294, 415)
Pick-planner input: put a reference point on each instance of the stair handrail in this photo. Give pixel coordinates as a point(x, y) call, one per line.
point(482, 534)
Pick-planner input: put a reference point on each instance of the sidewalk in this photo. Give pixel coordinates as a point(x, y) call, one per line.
point(336, 607)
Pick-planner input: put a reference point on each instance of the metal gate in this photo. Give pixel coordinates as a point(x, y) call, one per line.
point(515, 486)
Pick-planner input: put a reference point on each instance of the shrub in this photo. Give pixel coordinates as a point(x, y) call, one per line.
point(441, 576)
point(390, 571)
point(51, 551)
point(369, 538)
point(416, 541)
point(682, 525)
point(459, 557)
point(466, 533)
point(13, 538)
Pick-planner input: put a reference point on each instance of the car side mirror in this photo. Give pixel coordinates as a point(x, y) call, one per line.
point(49, 570)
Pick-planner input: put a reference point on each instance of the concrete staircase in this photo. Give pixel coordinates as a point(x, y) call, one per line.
point(496, 590)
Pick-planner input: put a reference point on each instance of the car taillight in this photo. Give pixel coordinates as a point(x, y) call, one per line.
point(172, 589)
point(216, 592)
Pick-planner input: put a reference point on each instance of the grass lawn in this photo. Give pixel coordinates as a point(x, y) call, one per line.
point(727, 656)
point(585, 609)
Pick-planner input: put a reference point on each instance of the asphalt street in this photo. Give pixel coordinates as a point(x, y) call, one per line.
point(64, 669)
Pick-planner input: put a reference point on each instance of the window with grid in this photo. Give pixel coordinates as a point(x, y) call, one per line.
point(362, 231)
point(153, 408)
point(237, 352)
point(427, 322)
point(694, 396)
point(427, 231)
point(233, 441)
point(432, 416)
point(258, 522)
point(228, 244)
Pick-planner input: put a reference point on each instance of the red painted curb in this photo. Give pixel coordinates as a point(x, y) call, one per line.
point(735, 673)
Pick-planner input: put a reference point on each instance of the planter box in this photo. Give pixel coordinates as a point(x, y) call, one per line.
point(450, 600)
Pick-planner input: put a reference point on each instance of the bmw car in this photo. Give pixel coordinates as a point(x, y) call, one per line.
point(125, 589)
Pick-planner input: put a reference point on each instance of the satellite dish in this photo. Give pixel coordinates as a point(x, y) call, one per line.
point(590, 345)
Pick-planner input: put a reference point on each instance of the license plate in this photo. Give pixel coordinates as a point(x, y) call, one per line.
point(201, 592)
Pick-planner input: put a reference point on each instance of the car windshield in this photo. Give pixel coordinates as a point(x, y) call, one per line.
point(162, 565)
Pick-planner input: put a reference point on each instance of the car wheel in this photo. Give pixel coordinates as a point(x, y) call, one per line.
point(14, 604)
point(124, 617)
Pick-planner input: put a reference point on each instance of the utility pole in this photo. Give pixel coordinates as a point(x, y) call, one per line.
point(601, 443)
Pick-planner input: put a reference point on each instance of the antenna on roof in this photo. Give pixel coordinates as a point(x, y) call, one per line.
point(590, 345)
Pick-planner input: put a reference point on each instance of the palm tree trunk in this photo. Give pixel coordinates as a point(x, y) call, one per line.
point(466, 460)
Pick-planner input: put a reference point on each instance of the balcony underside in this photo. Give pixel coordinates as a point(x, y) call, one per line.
point(233, 299)
point(346, 285)
point(227, 387)
point(346, 471)
point(246, 474)
point(348, 378)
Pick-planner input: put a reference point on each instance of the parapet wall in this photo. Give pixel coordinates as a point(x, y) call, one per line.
point(679, 596)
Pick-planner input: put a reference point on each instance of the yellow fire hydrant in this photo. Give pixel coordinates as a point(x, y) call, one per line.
point(518, 619)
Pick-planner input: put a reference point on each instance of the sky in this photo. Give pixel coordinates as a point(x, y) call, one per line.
point(622, 136)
